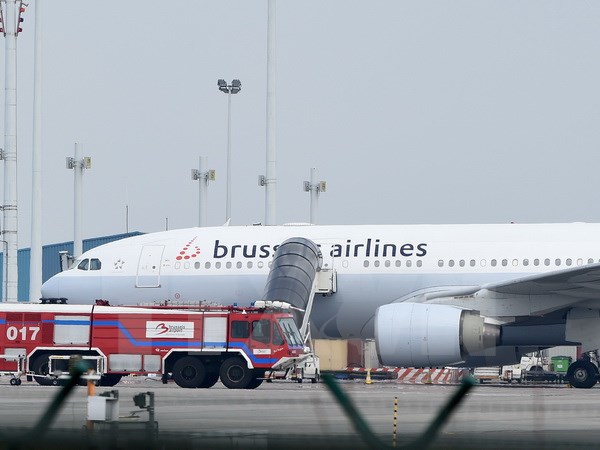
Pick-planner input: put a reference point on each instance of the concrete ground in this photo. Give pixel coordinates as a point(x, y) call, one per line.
point(287, 413)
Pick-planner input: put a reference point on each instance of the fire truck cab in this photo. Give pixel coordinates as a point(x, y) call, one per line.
point(195, 346)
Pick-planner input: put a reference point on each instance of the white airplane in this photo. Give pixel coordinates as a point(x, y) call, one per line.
point(430, 295)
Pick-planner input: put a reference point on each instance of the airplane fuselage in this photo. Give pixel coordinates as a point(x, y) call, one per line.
point(374, 265)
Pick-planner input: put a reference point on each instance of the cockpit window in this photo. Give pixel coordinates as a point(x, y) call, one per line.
point(83, 265)
point(95, 264)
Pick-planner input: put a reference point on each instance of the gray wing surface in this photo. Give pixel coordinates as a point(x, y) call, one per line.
point(582, 282)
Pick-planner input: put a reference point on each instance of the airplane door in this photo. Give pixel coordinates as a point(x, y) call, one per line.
point(327, 277)
point(148, 273)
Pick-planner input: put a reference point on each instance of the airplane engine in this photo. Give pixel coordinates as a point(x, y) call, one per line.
point(426, 335)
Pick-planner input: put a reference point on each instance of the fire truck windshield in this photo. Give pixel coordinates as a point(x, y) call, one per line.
point(290, 330)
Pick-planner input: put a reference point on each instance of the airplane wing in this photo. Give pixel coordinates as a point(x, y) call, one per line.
point(532, 295)
point(583, 282)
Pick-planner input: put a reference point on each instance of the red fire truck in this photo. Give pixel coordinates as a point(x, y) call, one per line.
point(196, 346)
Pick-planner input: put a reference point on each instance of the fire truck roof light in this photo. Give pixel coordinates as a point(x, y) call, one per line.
point(271, 304)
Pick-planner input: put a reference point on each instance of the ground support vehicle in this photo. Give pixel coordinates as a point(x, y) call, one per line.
point(19, 371)
point(195, 347)
point(512, 373)
point(483, 374)
point(538, 374)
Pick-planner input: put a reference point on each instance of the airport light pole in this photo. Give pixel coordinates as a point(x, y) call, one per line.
point(11, 14)
point(315, 188)
point(35, 261)
point(233, 88)
point(203, 176)
point(78, 164)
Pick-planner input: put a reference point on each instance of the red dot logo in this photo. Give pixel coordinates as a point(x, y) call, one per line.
point(188, 251)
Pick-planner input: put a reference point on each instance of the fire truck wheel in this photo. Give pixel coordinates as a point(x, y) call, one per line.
point(210, 380)
point(189, 372)
point(235, 374)
point(254, 383)
point(40, 366)
point(109, 380)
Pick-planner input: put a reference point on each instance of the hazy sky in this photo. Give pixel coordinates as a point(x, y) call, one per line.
point(413, 111)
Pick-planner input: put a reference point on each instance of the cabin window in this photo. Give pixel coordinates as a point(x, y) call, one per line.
point(472, 263)
point(197, 265)
point(228, 265)
point(365, 263)
point(536, 262)
point(493, 262)
point(238, 264)
point(95, 264)
point(504, 262)
point(461, 263)
point(240, 329)
point(569, 261)
point(547, 262)
point(217, 265)
point(579, 261)
point(451, 263)
point(249, 264)
point(260, 264)
point(398, 263)
point(590, 261)
point(557, 261)
point(525, 262)
point(515, 262)
point(419, 263)
point(441, 263)
point(207, 265)
point(388, 263)
point(277, 337)
point(83, 265)
point(408, 263)
point(483, 263)
point(261, 330)
point(376, 263)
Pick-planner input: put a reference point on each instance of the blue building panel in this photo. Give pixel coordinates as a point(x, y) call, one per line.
point(51, 259)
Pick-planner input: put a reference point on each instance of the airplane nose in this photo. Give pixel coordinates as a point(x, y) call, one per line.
point(51, 288)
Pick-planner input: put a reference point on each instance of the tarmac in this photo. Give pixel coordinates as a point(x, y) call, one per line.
point(296, 415)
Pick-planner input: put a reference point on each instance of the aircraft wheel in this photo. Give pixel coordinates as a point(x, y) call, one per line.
point(582, 374)
point(234, 373)
point(189, 372)
point(18, 382)
point(13, 381)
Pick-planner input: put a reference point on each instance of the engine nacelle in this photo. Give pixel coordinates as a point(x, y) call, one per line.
point(426, 335)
